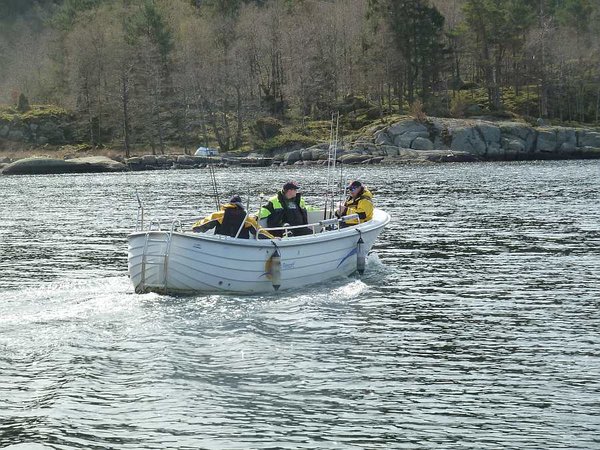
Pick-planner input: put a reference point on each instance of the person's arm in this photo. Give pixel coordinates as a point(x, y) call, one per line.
point(273, 215)
point(364, 209)
point(256, 228)
point(207, 223)
point(342, 210)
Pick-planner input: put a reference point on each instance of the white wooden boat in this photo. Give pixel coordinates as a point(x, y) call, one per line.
point(178, 261)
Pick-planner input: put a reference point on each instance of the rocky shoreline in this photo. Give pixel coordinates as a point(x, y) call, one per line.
point(407, 141)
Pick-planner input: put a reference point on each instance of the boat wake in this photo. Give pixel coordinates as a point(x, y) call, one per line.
point(62, 300)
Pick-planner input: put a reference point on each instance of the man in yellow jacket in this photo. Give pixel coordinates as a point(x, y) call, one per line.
point(359, 201)
point(228, 221)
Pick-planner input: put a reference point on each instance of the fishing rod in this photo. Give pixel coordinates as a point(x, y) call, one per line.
point(329, 176)
point(341, 185)
point(213, 178)
point(331, 161)
point(335, 149)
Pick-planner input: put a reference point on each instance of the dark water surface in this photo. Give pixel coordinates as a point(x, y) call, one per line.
point(476, 325)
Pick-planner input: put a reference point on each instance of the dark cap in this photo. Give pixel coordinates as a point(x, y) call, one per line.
point(354, 184)
point(290, 185)
point(235, 199)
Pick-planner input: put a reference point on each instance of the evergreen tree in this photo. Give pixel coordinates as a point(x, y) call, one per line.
point(417, 29)
point(497, 26)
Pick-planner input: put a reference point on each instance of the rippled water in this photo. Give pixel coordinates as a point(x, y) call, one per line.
point(475, 326)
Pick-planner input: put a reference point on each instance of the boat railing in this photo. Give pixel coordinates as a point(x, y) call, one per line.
point(332, 224)
point(176, 225)
point(154, 225)
point(316, 227)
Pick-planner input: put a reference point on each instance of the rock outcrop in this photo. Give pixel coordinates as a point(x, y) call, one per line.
point(38, 166)
point(407, 141)
point(487, 140)
point(41, 125)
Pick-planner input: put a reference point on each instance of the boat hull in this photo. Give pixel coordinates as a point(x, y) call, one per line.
point(182, 262)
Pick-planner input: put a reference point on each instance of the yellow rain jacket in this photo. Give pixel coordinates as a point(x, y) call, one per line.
point(227, 222)
point(361, 205)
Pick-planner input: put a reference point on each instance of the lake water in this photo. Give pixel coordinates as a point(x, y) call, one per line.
point(476, 324)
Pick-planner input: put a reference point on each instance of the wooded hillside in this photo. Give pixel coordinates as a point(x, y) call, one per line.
point(233, 73)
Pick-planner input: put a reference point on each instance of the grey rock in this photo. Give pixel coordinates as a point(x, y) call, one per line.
point(421, 143)
point(467, 139)
point(490, 134)
point(98, 164)
point(589, 139)
point(134, 161)
point(515, 129)
point(53, 132)
point(291, 157)
point(4, 130)
point(590, 152)
point(365, 147)
point(526, 134)
point(149, 160)
point(378, 152)
point(15, 135)
point(185, 160)
point(389, 150)
point(163, 160)
point(405, 140)
point(354, 158)
point(406, 127)
point(320, 146)
point(36, 166)
point(306, 155)
point(566, 139)
point(546, 141)
point(516, 145)
point(320, 154)
point(383, 138)
point(567, 147)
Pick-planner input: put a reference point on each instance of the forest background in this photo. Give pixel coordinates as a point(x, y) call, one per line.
point(267, 74)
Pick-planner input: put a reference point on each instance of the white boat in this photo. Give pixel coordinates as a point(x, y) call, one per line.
point(179, 261)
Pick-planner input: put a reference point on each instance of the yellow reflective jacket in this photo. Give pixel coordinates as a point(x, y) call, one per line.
point(227, 222)
point(361, 205)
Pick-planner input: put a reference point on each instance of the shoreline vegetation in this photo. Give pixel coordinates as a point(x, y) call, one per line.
point(261, 79)
point(407, 140)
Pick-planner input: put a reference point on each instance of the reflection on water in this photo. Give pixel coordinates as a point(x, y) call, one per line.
point(474, 326)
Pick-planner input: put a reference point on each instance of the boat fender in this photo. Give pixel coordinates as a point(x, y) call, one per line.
point(361, 254)
point(274, 268)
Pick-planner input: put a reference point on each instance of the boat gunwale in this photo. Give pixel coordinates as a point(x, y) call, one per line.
point(285, 242)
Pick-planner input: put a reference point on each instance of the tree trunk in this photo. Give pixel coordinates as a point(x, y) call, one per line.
point(240, 124)
point(125, 106)
point(598, 106)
